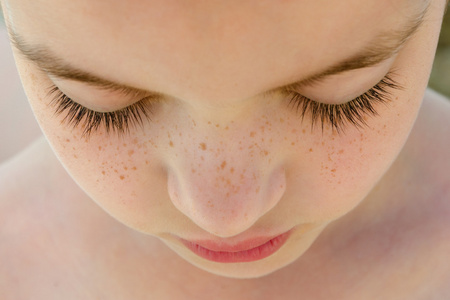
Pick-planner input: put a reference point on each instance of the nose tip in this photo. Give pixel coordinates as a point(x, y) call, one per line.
point(226, 203)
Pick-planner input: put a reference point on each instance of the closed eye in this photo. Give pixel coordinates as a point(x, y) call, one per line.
point(118, 121)
point(353, 112)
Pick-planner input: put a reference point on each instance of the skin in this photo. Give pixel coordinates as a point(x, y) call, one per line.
point(218, 161)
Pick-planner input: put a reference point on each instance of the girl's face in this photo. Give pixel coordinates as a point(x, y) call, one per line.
point(205, 147)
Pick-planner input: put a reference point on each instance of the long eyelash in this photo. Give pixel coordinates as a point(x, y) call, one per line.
point(338, 116)
point(118, 121)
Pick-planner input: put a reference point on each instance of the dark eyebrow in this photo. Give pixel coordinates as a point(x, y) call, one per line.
point(381, 48)
point(384, 46)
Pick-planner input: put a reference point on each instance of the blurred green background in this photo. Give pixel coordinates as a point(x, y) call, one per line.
point(440, 76)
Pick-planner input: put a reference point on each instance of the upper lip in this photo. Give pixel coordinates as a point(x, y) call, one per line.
point(227, 246)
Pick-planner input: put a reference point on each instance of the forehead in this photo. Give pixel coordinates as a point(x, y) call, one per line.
point(206, 49)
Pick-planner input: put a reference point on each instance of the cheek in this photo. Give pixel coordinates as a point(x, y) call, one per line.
point(110, 169)
point(345, 168)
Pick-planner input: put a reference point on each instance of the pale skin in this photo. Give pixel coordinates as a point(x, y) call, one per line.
point(95, 217)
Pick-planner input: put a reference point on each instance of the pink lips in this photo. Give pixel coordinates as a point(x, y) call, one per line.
point(247, 251)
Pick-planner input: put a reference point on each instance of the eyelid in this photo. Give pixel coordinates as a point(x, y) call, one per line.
point(98, 100)
point(118, 121)
point(353, 111)
point(338, 89)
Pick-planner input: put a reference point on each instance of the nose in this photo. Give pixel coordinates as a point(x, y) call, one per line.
point(225, 195)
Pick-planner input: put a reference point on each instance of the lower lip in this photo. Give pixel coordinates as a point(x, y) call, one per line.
point(249, 255)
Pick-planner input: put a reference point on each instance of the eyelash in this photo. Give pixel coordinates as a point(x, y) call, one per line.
point(353, 112)
point(120, 121)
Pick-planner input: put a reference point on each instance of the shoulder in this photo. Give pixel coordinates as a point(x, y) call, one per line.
point(30, 223)
point(429, 148)
point(21, 232)
point(45, 251)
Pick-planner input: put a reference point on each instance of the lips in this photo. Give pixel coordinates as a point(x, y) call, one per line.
point(246, 251)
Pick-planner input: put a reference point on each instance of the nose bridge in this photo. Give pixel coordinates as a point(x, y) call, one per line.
point(227, 189)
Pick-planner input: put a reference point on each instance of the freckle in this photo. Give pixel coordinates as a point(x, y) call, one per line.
point(131, 152)
point(281, 120)
point(146, 162)
point(265, 152)
point(341, 151)
point(226, 128)
point(303, 131)
point(122, 177)
point(100, 148)
point(293, 144)
point(134, 168)
point(202, 158)
point(252, 134)
point(203, 146)
point(115, 171)
point(360, 149)
point(217, 125)
point(257, 189)
point(75, 156)
point(333, 170)
point(310, 150)
point(103, 172)
point(209, 123)
point(232, 170)
point(124, 144)
point(222, 166)
point(135, 141)
point(193, 170)
point(67, 140)
point(171, 144)
point(125, 168)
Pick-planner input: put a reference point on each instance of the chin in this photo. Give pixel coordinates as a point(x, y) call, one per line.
point(243, 270)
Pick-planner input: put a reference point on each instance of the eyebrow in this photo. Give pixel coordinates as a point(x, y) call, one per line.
point(382, 47)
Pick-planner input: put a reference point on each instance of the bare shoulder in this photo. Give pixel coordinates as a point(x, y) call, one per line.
point(429, 147)
point(21, 232)
point(46, 252)
point(31, 218)
point(431, 132)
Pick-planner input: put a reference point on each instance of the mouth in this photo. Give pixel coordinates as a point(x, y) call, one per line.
point(247, 251)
